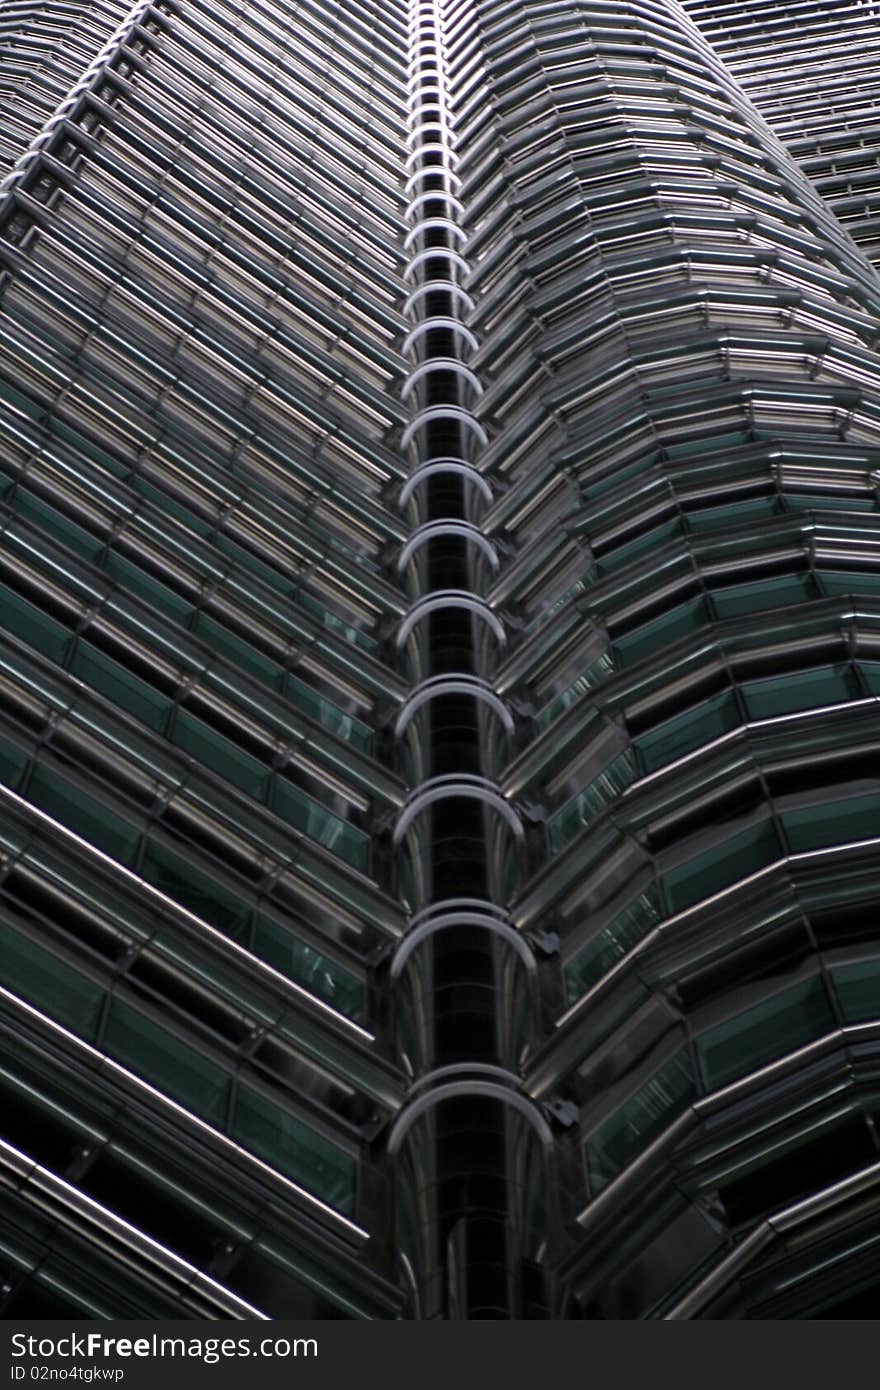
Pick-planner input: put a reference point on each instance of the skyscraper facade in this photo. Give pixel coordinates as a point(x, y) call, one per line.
point(440, 660)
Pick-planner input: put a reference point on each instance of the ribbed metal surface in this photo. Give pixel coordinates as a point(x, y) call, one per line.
point(813, 71)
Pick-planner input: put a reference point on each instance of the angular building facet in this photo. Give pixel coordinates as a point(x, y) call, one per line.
point(440, 803)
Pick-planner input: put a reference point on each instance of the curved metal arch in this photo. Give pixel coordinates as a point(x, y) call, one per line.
point(440, 287)
point(492, 1090)
point(440, 364)
point(457, 683)
point(443, 412)
point(431, 169)
point(449, 598)
point(466, 471)
point(437, 125)
point(484, 905)
point(442, 788)
point(428, 224)
point(432, 253)
point(431, 148)
point(439, 321)
point(414, 939)
point(421, 85)
point(436, 195)
point(432, 530)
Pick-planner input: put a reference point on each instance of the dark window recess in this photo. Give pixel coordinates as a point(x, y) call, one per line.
point(826, 1160)
point(129, 1192)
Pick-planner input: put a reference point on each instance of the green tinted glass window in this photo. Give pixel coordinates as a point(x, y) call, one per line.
point(763, 593)
point(297, 1150)
point(278, 946)
point(732, 514)
point(849, 582)
point(325, 712)
point(762, 1034)
point(195, 890)
point(833, 822)
point(33, 626)
point(239, 652)
point(89, 818)
point(135, 581)
point(167, 1062)
point(591, 677)
point(640, 1119)
point(219, 753)
point(871, 672)
point(687, 731)
point(170, 507)
point(679, 622)
point(858, 990)
point(111, 679)
point(612, 943)
point(800, 690)
point(719, 867)
point(13, 761)
point(50, 984)
point(55, 524)
point(583, 808)
point(333, 621)
point(313, 819)
point(643, 545)
point(821, 502)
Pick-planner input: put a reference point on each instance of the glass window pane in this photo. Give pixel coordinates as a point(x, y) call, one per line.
point(219, 753)
point(135, 581)
point(33, 626)
point(204, 896)
point(732, 514)
point(48, 983)
point(717, 868)
point(89, 818)
point(679, 622)
point(761, 1034)
point(285, 1142)
point(612, 943)
point(833, 822)
point(239, 652)
point(849, 582)
point(640, 1119)
point(797, 690)
point(583, 808)
point(643, 545)
point(762, 593)
point(13, 761)
point(166, 1062)
point(111, 679)
point(313, 819)
point(858, 990)
point(687, 731)
point(278, 946)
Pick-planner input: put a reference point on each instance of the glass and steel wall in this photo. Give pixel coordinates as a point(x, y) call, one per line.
point(202, 281)
point(678, 348)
